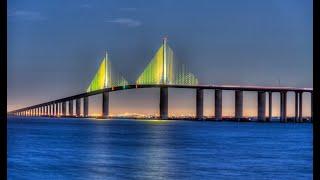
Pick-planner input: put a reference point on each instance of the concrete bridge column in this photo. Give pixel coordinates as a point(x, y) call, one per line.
point(71, 108)
point(163, 103)
point(78, 107)
point(59, 109)
point(56, 109)
point(218, 104)
point(85, 106)
point(50, 109)
point(300, 107)
point(270, 106)
point(311, 107)
point(199, 103)
point(105, 104)
point(238, 104)
point(283, 106)
point(296, 96)
point(64, 108)
point(261, 106)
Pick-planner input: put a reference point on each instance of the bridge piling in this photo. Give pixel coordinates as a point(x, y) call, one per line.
point(50, 110)
point(199, 103)
point(300, 107)
point(71, 108)
point(238, 104)
point(85, 106)
point(296, 101)
point(218, 104)
point(270, 106)
point(56, 109)
point(311, 107)
point(261, 106)
point(283, 106)
point(64, 110)
point(105, 104)
point(163, 102)
point(78, 107)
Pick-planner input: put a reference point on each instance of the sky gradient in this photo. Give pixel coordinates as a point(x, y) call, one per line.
point(55, 48)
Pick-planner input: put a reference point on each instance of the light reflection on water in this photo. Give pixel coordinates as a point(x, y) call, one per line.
point(45, 148)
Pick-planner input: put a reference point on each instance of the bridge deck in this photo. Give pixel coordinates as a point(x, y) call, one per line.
point(135, 86)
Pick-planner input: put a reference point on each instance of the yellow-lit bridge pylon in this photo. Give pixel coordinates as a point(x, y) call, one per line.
point(164, 69)
point(106, 77)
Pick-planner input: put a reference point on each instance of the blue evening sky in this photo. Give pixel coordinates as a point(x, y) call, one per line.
point(54, 47)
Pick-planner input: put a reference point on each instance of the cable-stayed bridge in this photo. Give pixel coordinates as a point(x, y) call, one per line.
point(165, 71)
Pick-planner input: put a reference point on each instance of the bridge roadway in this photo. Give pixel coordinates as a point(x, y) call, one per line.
point(199, 98)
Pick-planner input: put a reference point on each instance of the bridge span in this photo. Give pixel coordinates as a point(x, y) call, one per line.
point(52, 108)
point(164, 71)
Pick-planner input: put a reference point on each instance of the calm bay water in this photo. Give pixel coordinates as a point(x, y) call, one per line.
point(48, 148)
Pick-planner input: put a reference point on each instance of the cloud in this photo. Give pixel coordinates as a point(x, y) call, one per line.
point(27, 15)
point(125, 21)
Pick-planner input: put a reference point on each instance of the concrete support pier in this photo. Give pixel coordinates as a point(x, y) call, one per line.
point(163, 103)
point(85, 106)
point(283, 106)
point(296, 105)
point(238, 104)
point(261, 106)
point(78, 107)
point(311, 107)
point(45, 110)
point(57, 109)
point(270, 106)
point(199, 103)
point(64, 109)
point(53, 109)
point(218, 104)
point(71, 108)
point(300, 107)
point(105, 104)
